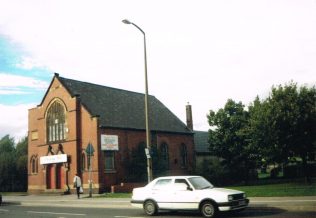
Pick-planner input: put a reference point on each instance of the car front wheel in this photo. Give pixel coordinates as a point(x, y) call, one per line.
point(208, 209)
point(150, 208)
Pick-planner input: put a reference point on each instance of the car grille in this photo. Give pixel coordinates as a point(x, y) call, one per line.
point(238, 197)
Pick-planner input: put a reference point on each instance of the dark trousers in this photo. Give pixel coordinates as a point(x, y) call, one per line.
point(78, 191)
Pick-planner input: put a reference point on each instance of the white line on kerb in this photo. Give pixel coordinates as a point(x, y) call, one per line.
point(70, 214)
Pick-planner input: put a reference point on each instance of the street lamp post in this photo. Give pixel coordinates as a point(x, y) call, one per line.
point(149, 160)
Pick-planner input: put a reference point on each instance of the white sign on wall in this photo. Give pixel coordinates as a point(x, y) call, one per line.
point(60, 158)
point(109, 143)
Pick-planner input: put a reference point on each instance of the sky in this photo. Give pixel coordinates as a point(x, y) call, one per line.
point(202, 52)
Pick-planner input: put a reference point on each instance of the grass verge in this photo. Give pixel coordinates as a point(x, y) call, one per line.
point(13, 193)
point(272, 190)
point(279, 190)
point(114, 195)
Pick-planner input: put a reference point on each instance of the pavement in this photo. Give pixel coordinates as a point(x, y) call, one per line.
point(67, 201)
point(305, 203)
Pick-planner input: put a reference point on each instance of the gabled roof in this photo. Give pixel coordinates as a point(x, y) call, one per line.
point(201, 142)
point(119, 108)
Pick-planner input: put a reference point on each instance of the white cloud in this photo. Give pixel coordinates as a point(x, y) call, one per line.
point(203, 52)
point(12, 91)
point(14, 120)
point(29, 63)
point(9, 81)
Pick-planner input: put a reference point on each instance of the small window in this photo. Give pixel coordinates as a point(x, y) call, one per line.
point(83, 161)
point(109, 160)
point(184, 155)
point(164, 154)
point(162, 184)
point(34, 165)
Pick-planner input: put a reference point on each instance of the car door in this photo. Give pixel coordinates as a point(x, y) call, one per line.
point(160, 192)
point(184, 195)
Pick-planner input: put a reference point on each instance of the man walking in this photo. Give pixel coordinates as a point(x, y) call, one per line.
point(77, 184)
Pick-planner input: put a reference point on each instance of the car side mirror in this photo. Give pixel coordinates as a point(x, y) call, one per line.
point(189, 188)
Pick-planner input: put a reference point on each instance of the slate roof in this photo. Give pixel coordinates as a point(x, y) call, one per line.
point(201, 142)
point(119, 108)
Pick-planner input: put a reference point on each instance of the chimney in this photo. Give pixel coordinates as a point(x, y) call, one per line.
point(189, 116)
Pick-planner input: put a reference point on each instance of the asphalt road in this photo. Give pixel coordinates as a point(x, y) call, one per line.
point(69, 207)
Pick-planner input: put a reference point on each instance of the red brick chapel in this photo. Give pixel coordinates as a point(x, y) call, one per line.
point(76, 116)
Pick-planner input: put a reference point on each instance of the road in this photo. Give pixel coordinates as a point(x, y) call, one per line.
point(69, 207)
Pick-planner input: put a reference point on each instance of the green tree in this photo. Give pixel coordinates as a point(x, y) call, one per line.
point(21, 164)
point(13, 164)
point(229, 140)
point(262, 134)
point(137, 164)
point(283, 125)
point(306, 126)
point(294, 117)
point(283, 117)
point(7, 164)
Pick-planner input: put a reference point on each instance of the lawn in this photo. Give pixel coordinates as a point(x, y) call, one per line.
point(115, 195)
point(279, 190)
point(273, 190)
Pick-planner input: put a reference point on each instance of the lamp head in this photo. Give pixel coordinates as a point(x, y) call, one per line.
point(126, 21)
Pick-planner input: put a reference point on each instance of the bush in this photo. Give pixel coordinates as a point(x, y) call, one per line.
point(219, 173)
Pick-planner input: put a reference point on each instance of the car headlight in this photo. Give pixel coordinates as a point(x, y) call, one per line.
point(230, 198)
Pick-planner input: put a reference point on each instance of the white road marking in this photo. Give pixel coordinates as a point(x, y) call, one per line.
point(4, 210)
point(70, 214)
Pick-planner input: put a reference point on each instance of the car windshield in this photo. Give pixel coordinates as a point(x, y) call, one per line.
point(200, 183)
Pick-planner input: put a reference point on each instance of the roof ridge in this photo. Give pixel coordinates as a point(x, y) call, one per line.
point(103, 86)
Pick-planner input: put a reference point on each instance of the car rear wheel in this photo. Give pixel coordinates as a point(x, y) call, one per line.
point(208, 209)
point(150, 208)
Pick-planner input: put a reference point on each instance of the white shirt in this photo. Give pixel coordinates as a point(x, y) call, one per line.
point(78, 180)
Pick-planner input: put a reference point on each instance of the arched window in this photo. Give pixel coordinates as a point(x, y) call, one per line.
point(56, 122)
point(34, 164)
point(83, 162)
point(184, 155)
point(164, 154)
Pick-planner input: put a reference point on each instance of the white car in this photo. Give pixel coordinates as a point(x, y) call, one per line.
point(187, 193)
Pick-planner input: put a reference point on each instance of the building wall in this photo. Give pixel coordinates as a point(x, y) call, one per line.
point(129, 139)
point(38, 146)
point(89, 134)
